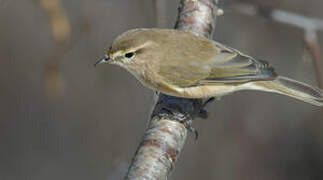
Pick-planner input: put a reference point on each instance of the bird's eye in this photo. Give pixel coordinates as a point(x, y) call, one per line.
point(129, 55)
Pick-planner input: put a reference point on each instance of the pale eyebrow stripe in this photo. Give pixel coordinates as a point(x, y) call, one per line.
point(142, 46)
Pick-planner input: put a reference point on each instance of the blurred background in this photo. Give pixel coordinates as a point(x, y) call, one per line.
point(61, 118)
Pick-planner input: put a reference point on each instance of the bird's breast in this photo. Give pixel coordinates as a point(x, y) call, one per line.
point(155, 82)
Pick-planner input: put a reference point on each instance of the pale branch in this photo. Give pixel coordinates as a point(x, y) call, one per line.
point(171, 118)
point(279, 15)
point(297, 20)
point(310, 26)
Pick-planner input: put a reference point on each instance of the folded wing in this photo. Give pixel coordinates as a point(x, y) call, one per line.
point(220, 64)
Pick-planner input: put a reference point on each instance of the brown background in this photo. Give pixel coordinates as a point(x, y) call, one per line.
point(91, 130)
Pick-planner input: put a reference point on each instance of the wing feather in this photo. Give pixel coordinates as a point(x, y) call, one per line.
point(209, 63)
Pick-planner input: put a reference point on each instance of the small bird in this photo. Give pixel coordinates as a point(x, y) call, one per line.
point(181, 64)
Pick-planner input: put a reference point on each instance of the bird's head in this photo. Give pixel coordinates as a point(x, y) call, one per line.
point(130, 48)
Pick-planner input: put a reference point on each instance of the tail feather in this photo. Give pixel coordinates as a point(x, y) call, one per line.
point(292, 88)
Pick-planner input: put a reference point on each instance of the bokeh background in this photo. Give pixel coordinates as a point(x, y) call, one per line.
point(61, 118)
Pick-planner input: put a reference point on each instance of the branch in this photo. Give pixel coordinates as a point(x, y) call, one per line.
point(310, 26)
point(167, 129)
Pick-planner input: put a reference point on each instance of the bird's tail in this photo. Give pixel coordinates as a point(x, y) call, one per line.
point(289, 87)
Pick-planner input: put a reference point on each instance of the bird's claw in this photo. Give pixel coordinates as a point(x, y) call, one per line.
point(192, 130)
point(183, 119)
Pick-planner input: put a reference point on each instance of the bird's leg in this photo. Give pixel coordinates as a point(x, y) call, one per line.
point(203, 113)
point(208, 101)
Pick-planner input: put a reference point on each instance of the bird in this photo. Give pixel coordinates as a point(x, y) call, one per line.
point(182, 64)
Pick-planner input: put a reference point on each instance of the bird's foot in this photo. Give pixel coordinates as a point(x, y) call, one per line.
point(191, 130)
point(203, 113)
point(183, 119)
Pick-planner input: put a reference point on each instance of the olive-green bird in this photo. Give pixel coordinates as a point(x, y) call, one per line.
point(182, 64)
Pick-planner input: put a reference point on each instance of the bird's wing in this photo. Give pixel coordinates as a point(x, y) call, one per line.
point(233, 66)
point(211, 62)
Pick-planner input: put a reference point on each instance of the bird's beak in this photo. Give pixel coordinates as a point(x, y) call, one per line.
point(103, 60)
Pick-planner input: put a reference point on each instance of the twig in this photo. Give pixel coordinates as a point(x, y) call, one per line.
point(310, 27)
point(314, 48)
point(61, 32)
point(308, 24)
point(63, 43)
point(167, 129)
